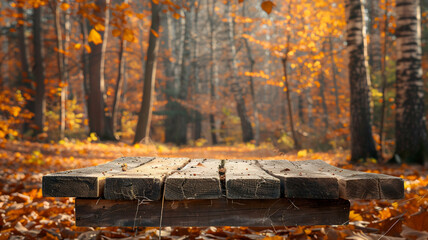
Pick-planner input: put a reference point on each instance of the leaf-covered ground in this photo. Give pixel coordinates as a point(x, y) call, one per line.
point(26, 214)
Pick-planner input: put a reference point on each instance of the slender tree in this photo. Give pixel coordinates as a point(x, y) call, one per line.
point(145, 115)
point(39, 71)
point(27, 83)
point(98, 120)
point(247, 130)
point(362, 143)
point(410, 126)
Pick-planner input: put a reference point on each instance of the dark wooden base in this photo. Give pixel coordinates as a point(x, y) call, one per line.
point(220, 212)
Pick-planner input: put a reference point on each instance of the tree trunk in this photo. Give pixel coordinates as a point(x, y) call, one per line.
point(119, 85)
point(323, 101)
point(145, 115)
point(334, 74)
point(26, 83)
point(197, 116)
point(213, 69)
point(176, 124)
point(375, 51)
point(98, 120)
point(362, 143)
point(252, 90)
point(60, 63)
point(247, 130)
point(287, 94)
point(39, 71)
point(410, 128)
point(85, 64)
point(384, 82)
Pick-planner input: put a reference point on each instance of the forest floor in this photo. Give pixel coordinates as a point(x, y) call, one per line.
point(26, 214)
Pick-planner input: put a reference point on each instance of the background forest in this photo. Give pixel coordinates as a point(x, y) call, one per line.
point(207, 72)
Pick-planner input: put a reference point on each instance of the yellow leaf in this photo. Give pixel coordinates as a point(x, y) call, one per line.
point(128, 35)
point(95, 37)
point(267, 6)
point(77, 46)
point(65, 6)
point(154, 32)
point(99, 27)
point(116, 32)
point(354, 216)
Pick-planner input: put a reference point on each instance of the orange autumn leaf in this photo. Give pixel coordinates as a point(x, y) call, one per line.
point(95, 37)
point(99, 27)
point(65, 6)
point(267, 6)
point(154, 33)
point(128, 35)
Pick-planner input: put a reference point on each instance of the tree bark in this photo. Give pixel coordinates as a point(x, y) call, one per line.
point(119, 85)
point(334, 74)
point(287, 95)
point(247, 130)
point(410, 126)
point(61, 70)
point(98, 120)
point(27, 83)
point(145, 115)
point(213, 69)
point(39, 71)
point(375, 50)
point(252, 88)
point(384, 82)
point(362, 143)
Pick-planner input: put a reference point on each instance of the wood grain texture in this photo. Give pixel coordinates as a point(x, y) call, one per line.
point(199, 179)
point(297, 182)
point(87, 182)
point(246, 180)
point(144, 182)
point(220, 212)
point(359, 185)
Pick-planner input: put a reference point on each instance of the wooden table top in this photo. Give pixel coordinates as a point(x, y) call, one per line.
point(150, 178)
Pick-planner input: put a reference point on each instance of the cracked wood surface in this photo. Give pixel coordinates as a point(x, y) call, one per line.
point(246, 180)
point(143, 182)
point(219, 212)
point(132, 178)
point(359, 185)
point(199, 179)
point(297, 182)
point(87, 182)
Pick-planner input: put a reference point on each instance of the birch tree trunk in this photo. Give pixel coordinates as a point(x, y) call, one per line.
point(410, 126)
point(145, 114)
point(247, 130)
point(362, 143)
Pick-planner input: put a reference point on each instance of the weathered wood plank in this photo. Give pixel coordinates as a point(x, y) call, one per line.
point(219, 212)
point(246, 180)
point(359, 185)
point(199, 179)
point(297, 182)
point(87, 182)
point(144, 182)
